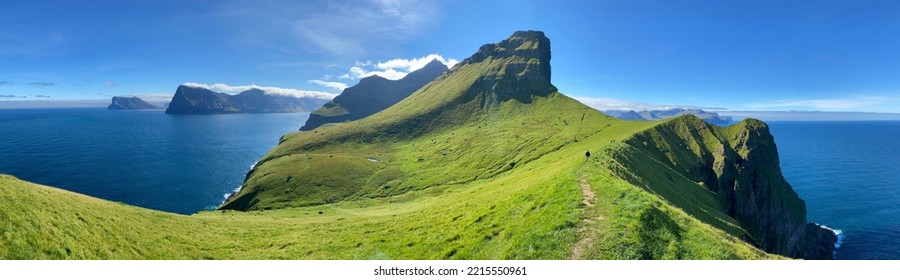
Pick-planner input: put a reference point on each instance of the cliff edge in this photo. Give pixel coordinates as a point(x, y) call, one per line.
point(734, 170)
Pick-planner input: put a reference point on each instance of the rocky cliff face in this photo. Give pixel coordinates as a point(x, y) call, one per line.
point(129, 103)
point(195, 100)
point(518, 68)
point(739, 166)
point(371, 95)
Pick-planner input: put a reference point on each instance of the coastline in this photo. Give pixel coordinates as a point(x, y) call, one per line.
point(229, 195)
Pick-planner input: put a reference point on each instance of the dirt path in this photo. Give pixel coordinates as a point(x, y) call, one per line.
point(586, 237)
point(588, 194)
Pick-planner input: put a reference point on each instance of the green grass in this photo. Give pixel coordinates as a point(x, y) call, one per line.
point(631, 223)
point(331, 111)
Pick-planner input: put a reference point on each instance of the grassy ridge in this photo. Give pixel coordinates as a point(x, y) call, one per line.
point(631, 223)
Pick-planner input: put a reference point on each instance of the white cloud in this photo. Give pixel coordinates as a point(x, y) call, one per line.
point(605, 104)
point(268, 90)
point(414, 64)
point(881, 104)
point(342, 28)
point(155, 98)
point(359, 73)
point(394, 69)
point(111, 84)
point(334, 85)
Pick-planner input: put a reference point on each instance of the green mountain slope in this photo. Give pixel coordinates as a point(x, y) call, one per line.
point(485, 162)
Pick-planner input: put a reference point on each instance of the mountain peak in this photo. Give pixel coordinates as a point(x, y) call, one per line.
point(435, 64)
point(521, 66)
point(525, 44)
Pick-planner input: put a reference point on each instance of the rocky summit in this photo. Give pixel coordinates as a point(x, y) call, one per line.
point(520, 67)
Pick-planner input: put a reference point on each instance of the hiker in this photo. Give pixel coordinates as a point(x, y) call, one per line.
point(587, 155)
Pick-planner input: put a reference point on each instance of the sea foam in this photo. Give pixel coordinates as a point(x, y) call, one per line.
point(838, 233)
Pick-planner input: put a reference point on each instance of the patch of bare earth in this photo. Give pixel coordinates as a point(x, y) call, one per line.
point(585, 238)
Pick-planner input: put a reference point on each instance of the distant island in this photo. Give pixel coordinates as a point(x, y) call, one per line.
point(130, 103)
point(649, 115)
point(198, 100)
point(370, 95)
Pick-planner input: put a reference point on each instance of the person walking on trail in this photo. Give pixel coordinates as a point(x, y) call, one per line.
point(587, 155)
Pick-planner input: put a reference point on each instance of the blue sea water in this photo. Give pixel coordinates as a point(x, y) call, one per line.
point(174, 163)
point(849, 175)
point(847, 172)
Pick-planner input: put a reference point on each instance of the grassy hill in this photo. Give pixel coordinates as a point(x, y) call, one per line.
point(486, 162)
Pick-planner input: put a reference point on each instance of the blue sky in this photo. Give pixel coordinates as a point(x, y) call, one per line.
point(757, 55)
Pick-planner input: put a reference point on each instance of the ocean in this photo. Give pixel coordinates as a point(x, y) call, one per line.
point(174, 163)
point(847, 172)
point(849, 175)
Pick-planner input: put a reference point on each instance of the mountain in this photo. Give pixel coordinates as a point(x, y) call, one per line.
point(629, 115)
point(197, 100)
point(710, 117)
point(497, 113)
point(129, 103)
point(370, 95)
point(487, 161)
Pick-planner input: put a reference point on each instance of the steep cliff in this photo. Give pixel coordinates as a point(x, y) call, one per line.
point(196, 100)
point(370, 95)
point(688, 161)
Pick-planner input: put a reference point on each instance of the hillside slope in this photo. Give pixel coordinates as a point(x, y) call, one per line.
point(370, 95)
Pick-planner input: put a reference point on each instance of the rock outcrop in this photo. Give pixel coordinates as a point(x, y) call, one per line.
point(197, 100)
point(130, 103)
point(518, 68)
